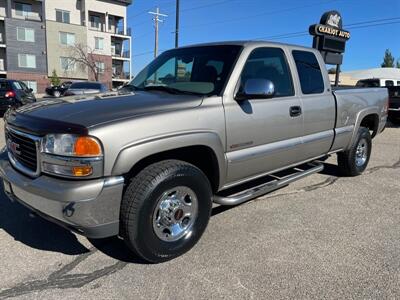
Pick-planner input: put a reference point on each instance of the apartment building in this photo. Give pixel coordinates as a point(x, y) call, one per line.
point(38, 37)
point(23, 38)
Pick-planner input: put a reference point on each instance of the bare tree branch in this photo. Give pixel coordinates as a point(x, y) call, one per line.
point(84, 56)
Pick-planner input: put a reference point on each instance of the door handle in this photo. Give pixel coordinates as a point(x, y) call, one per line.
point(295, 111)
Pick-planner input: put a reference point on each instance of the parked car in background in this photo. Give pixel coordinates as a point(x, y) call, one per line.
point(58, 90)
point(394, 103)
point(14, 94)
point(86, 88)
point(377, 82)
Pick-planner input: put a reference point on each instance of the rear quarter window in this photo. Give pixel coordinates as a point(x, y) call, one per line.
point(311, 80)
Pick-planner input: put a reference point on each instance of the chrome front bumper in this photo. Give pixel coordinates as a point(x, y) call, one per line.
point(89, 207)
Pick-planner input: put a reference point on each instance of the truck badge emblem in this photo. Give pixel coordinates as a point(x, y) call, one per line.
point(14, 148)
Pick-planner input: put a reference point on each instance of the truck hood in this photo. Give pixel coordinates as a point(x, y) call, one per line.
point(76, 114)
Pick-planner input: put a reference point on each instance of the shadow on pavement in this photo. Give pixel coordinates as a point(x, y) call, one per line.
point(36, 232)
point(115, 247)
point(393, 124)
point(40, 234)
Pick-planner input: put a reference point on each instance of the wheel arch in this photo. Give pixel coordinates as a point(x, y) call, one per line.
point(368, 118)
point(204, 150)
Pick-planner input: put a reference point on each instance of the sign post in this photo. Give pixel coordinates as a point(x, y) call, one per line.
point(330, 39)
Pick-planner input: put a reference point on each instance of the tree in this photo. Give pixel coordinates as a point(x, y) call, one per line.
point(398, 64)
point(84, 57)
point(54, 79)
point(388, 60)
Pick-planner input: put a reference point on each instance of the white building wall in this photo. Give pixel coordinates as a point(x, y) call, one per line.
point(91, 34)
point(73, 6)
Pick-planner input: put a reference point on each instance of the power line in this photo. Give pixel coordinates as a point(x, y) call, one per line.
point(269, 12)
point(348, 26)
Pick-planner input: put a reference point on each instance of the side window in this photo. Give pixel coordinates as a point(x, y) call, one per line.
point(270, 64)
point(17, 85)
point(310, 75)
point(24, 87)
point(389, 83)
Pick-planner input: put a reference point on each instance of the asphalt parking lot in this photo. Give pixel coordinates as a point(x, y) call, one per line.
point(322, 237)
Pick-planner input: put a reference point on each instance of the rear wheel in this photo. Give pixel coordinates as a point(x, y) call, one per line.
point(165, 210)
point(355, 160)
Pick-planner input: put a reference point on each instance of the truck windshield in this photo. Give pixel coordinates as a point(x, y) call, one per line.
point(201, 70)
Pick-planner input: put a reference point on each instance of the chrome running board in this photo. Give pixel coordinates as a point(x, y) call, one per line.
point(235, 195)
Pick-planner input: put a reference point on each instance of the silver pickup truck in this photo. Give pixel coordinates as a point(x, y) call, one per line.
point(221, 122)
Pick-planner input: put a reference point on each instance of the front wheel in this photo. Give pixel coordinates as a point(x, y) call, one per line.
point(165, 210)
point(57, 94)
point(355, 160)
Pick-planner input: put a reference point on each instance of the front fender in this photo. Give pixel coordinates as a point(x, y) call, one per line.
point(134, 153)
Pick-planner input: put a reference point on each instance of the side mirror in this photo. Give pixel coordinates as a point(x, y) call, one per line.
point(257, 89)
point(30, 90)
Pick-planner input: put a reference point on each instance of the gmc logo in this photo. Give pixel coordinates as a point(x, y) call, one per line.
point(13, 147)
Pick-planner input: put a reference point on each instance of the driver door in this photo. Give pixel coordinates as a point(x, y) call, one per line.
point(264, 134)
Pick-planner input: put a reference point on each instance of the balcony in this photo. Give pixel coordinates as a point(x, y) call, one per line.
point(120, 31)
point(116, 54)
point(120, 76)
point(28, 10)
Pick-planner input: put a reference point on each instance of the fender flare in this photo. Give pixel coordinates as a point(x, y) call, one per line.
point(360, 116)
point(132, 154)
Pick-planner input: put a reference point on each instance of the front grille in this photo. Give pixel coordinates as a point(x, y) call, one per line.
point(23, 149)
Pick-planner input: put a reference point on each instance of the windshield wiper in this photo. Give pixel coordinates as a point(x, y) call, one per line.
point(170, 90)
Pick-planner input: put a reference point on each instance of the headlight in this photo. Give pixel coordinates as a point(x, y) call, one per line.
point(71, 145)
point(72, 156)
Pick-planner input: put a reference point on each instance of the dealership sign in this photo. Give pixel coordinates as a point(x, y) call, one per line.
point(330, 38)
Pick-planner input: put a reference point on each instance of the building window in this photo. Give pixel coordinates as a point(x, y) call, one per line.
point(67, 64)
point(95, 22)
point(25, 34)
point(31, 85)
point(23, 9)
point(67, 39)
point(62, 16)
point(26, 61)
point(98, 43)
point(100, 65)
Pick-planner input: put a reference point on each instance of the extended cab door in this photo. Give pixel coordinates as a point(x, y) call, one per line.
point(263, 134)
point(318, 104)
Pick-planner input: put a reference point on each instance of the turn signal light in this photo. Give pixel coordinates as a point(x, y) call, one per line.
point(82, 171)
point(87, 146)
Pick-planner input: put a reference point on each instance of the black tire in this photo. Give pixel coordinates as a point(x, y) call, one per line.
point(141, 199)
point(347, 159)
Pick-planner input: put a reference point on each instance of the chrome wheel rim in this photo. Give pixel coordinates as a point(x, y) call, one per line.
point(175, 214)
point(361, 152)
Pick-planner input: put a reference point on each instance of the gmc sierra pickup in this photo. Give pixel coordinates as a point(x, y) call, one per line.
point(221, 122)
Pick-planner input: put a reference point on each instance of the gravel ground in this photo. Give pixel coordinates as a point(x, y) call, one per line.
point(322, 237)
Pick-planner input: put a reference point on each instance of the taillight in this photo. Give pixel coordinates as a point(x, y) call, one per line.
point(10, 94)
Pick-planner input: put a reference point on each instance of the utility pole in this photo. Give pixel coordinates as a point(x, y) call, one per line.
point(177, 25)
point(157, 20)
